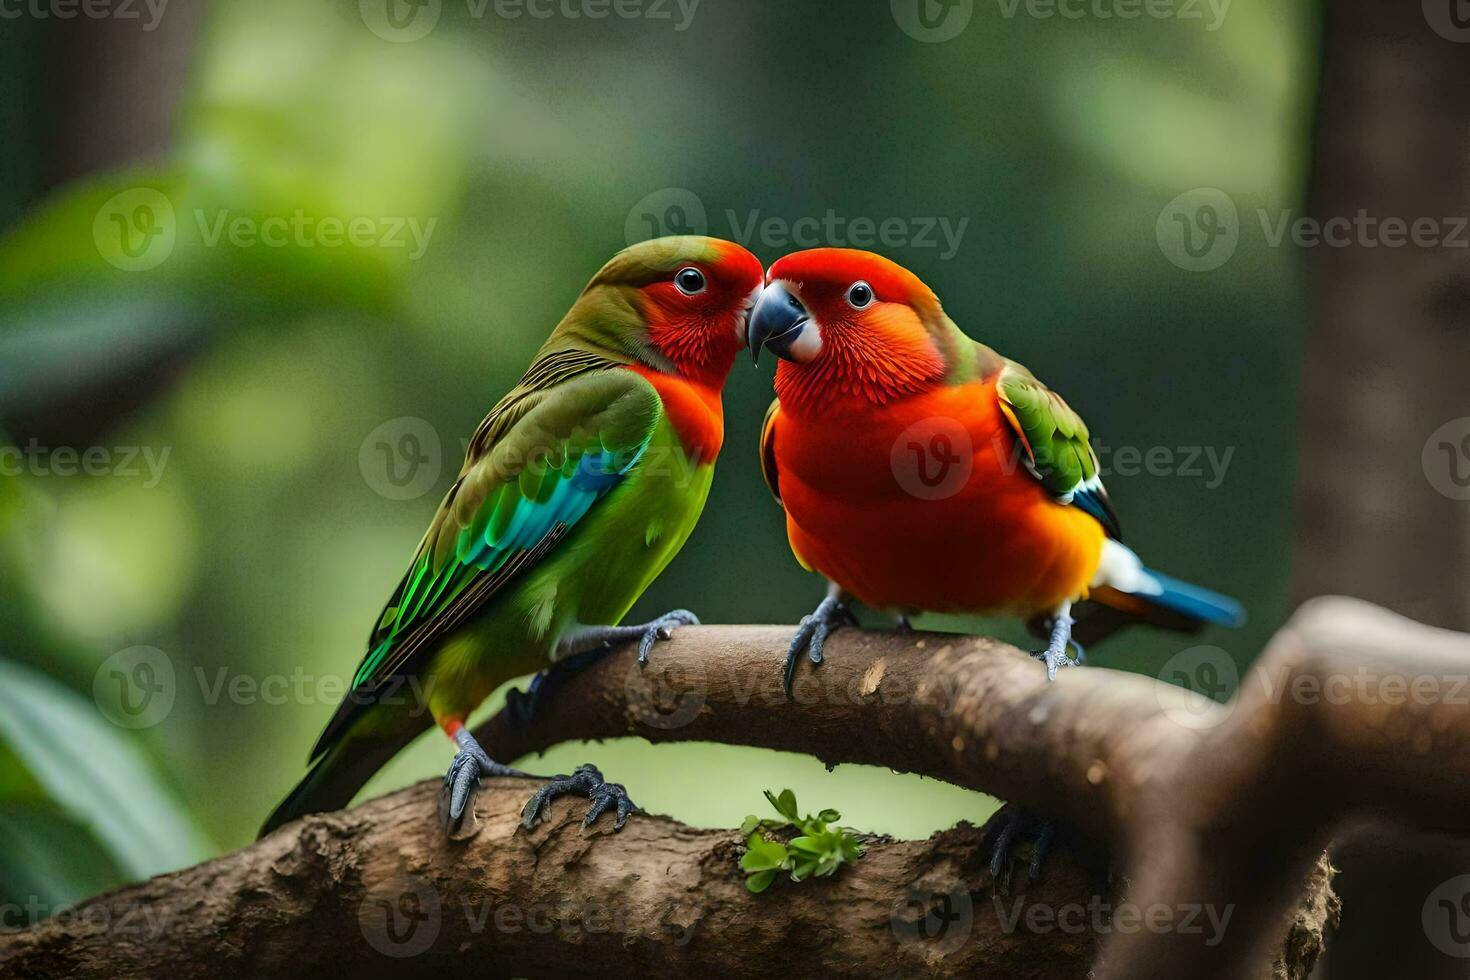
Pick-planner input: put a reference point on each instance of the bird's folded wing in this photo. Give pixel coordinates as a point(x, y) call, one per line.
point(539, 464)
point(1055, 441)
point(768, 450)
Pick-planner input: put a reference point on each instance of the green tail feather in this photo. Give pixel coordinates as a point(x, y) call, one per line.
point(337, 776)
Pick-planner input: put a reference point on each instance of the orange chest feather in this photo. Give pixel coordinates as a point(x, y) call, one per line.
point(926, 504)
point(954, 437)
point(693, 409)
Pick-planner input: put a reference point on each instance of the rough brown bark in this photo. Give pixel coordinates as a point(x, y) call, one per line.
point(1209, 807)
point(378, 891)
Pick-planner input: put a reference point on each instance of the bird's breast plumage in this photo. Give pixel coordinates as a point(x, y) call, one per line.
point(695, 410)
point(925, 503)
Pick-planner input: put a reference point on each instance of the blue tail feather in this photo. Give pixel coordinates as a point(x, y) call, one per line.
point(1196, 602)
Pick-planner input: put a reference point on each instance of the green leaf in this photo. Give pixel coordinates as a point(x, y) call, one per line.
point(47, 862)
point(818, 850)
point(96, 774)
point(763, 855)
point(758, 883)
point(785, 804)
point(787, 801)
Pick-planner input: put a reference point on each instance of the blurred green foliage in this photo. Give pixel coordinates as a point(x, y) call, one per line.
point(258, 553)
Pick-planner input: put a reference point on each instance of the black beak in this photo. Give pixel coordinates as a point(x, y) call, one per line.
point(777, 321)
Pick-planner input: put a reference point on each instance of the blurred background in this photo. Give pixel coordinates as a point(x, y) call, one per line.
point(265, 265)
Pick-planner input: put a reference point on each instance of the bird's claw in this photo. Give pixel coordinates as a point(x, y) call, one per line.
point(1055, 655)
point(1009, 826)
point(663, 629)
point(586, 780)
point(812, 632)
point(1055, 660)
point(461, 783)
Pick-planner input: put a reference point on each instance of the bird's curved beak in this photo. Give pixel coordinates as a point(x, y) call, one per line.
point(778, 319)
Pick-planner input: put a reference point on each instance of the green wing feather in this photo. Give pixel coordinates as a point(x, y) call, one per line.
point(1056, 441)
point(541, 460)
point(769, 471)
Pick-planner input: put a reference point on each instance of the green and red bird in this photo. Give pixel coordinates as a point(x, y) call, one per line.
point(921, 471)
point(577, 489)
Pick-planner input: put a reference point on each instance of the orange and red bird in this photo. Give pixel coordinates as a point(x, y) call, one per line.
point(921, 471)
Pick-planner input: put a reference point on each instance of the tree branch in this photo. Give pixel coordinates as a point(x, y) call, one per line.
point(1217, 814)
point(378, 891)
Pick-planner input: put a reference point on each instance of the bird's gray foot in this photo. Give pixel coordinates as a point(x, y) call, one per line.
point(811, 634)
point(1055, 655)
point(593, 639)
point(662, 629)
point(463, 781)
point(902, 624)
point(1010, 826)
point(586, 780)
point(584, 648)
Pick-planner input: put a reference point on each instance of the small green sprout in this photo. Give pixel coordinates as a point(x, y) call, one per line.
point(817, 849)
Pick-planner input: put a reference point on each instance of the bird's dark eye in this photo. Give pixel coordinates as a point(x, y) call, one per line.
point(690, 281)
point(860, 296)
